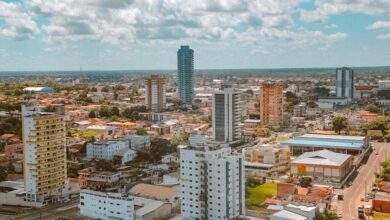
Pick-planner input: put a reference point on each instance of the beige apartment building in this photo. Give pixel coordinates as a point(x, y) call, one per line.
point(155, 98)
point(271, 104)
point(267, 160)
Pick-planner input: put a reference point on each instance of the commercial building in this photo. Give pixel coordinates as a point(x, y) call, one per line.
point(226, 115)
point(295, 212)
point(38, 89)
point(125, 148)
point(354, 145)
point(107, 149)
point(106, 206)
point(212, 183)
point(331, 102)
point(381, 202)
point(323, 165)
point(271, 104)
point(44, 150)
point(362, 91)
point(266, 161)
point(344, 82)
point(185, 74)
point(155, 99)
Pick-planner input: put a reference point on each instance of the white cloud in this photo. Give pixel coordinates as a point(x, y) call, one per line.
point(383, 36)
point(147, 21)
point(17, 23)
point(378, 25)
point(325, 8)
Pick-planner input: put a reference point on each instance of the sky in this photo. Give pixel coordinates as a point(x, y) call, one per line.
point(225, 34)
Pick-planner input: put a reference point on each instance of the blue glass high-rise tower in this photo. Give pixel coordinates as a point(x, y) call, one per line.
point(185, 74)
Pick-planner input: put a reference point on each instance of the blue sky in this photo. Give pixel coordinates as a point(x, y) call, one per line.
point(145, 34)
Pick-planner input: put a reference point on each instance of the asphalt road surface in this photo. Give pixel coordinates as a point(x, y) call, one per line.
point(67, 210)
point(364, 179)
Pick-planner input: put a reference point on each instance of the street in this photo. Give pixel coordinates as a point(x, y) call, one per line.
point(363, 181)
point(67, 210)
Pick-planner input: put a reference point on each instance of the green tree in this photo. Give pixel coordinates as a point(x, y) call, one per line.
point(339, 123)
point(305, 181)
point(92, 114)
point(141, 131)
point(93, 89)
point(105, 89)
point(133, 113)
point(105, 111)
point(382, 124)
point(372, 108)
point(115, 111)
point(105, 165)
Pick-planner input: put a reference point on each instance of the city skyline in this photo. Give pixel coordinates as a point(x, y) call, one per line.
point(115, 35)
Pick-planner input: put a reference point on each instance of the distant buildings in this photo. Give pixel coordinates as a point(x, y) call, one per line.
point(38, 89)
point(271, 104)
point(44, 150)
point(226, 115)
point(212, 183)
point(266, 161)
point(155, 99)
point(323, 166)
point(105, 206)
point(185, 74)
point(344, 82)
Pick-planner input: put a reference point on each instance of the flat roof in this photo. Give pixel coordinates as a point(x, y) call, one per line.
point(255, 164)
point(327, 144)
point(341, 137)
point(328, 141)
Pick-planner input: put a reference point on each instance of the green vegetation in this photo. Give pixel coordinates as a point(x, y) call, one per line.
point(381, 216)
point(158, 147)
point(382, 124)
point(321, 92)
point(339, 123)
point(305, 181)
point(11, 125)
point(385, 170)
point(258, 194)
point(373, 108)
point(141, 131)
point(133, 113)
point(327, 215)
point(82, 134)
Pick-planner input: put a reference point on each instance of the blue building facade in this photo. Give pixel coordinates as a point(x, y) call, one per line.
point(185, 74)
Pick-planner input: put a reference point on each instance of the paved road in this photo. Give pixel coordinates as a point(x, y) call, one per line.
point(69, 210)
point(365, 178)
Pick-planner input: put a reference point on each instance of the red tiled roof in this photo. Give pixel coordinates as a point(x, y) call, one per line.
point(363, 87)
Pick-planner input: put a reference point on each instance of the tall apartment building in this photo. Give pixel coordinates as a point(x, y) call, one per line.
point(155, 99)
point(226, 115)
point(44, 151)
point(185, 74)
point(212, 183)
point(344, 82)
point(271, 104)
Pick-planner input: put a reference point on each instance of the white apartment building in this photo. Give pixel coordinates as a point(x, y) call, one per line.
point(212, 183)
point(125, 147)
point(226, 115)
point(105, 150)
point(106, 206)
point(44, 161)
point(267, 160)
